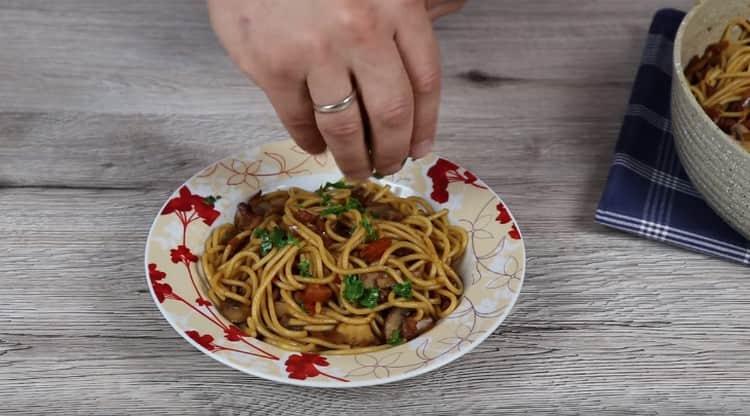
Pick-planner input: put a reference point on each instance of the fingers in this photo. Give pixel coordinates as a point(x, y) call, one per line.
point(295, 110)
point(342, 131)
point(420, 52)
point(389, 103)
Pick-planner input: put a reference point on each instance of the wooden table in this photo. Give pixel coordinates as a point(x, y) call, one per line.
point(107, 106)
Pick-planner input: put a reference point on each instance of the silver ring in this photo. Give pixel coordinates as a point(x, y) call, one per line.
point(339, 106)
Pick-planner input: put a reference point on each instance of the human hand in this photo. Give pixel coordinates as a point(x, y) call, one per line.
point(320, 51)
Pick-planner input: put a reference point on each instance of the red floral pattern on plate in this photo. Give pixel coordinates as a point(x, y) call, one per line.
point(442, 173)
point(182, 254)
point(304, 365)
point(503, 217)
point(202, 207)
point(161, 290)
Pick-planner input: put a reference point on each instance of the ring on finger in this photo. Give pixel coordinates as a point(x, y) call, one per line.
point(337, 107)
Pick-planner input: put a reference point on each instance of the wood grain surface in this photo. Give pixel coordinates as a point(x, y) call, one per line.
point(107, 106)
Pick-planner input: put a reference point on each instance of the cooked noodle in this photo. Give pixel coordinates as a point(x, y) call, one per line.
point(346, 269)
point(720, 80)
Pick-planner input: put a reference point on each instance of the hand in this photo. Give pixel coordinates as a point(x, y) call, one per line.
point(319, 51)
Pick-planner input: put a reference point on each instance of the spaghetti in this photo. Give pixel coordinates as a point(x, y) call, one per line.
point(346, 269)
point(720, 80)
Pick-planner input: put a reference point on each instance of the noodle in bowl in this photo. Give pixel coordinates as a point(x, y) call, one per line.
point(301, 284)
point(718, 165)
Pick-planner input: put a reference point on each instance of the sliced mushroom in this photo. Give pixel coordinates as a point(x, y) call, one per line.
point(277, 203)
point(306, 217)
point(235, 311)
point(380, 280)
point(356, 335)
point(267, 206)
point(283, 312)
point(360, 192)
point(245, 219)
point(411, 328)
point(385, 211)
point(424, 325)
point(393, 322)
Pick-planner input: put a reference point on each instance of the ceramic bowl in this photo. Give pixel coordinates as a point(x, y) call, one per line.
point(718, 165)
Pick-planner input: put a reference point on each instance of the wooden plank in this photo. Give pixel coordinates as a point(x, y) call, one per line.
point(161, 57)
point(135, 151)
point(634, 328)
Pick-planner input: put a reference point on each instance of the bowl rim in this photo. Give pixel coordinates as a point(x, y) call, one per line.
point(678, 70)
point(351, 384)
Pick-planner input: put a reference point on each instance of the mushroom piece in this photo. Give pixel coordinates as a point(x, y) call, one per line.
point(235, 311)
point(283, 312)
point(245, 219)
point(393, 322)
point(380, 280)
point(411, 328)
point(385, 211)
point(356, 335)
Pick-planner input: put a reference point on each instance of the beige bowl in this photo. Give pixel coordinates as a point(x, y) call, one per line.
point(718, 166)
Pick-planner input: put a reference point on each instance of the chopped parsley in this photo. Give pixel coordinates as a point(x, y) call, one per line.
point(211, 200)
point(353, 288)
point(403, 290)
point(275, 238)
point(304, 268)
point(321, 192)
point(371, 234)
point(351, 204)
point(356, 292)
point(326, 199)
point(396, 337)
point(333, 185)
point(369, 299)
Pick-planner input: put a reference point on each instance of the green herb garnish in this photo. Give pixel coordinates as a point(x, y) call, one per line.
point(396, 337)
point(369, 299)
point(351, 204)
point(304, 268)
point(403, 290)
point(275, 238)
point(356, 292)
point(371, 234)
point(353, 288)
point(211, 200)
point(333, 185)
point(266, 245)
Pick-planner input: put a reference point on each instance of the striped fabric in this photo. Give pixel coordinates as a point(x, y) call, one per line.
point(648, 192)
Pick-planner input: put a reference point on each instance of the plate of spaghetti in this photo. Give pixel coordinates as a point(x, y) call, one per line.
point(272, 263)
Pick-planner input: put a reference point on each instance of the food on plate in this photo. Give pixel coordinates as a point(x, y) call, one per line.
point(348, 268)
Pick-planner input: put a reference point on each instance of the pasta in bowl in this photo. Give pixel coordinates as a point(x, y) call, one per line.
point(274, 265)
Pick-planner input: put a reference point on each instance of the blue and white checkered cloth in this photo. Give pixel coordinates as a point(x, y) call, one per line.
point(648, 192)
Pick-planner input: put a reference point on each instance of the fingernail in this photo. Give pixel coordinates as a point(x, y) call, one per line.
point(421, 149)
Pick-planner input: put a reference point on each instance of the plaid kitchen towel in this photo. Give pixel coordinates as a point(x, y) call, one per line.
point(648, 192)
